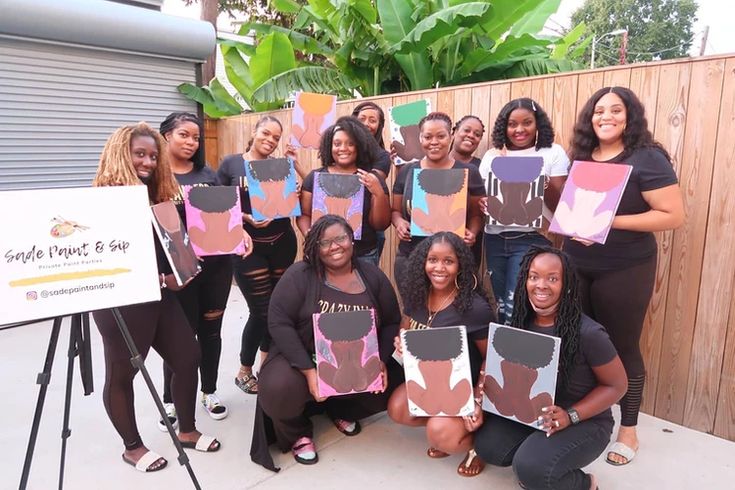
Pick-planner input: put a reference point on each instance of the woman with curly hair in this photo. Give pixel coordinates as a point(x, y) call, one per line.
point(618, 276)
point(436, 139)
point(348, 148)
point(441, 290)
point(329, 279)
point(522, 129)
point(136, 155)
point(577, 427)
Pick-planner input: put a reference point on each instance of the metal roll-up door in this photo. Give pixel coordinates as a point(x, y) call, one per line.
point(59, 104)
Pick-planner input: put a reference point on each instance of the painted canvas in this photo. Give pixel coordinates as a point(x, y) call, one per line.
point(214, 220)
point(347, 357)
point(175, 241)
point(439, 201)
point(437, 367)
point(340, 194)
point(404, 130)
point(312, 114)
point(272, 188)
point(590, 199)
point(520, 373)
point(515, 191)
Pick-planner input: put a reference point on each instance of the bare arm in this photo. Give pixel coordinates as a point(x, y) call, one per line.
point(553, 192)
point(403, 227)
point(666, 213)
point(304, 221)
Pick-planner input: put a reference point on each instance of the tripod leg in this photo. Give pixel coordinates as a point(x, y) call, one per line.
point(137, 361)
point(74, 343)
point(43, 379)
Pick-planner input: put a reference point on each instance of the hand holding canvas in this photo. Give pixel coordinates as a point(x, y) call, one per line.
point(554, 419)
point(170, 282)
point(403, 229)
point(371, 182)
point(248, 218)
point(313, 383)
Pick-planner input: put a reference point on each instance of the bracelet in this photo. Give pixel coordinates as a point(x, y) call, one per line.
point(163, 281)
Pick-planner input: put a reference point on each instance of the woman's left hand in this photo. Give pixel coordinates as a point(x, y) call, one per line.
point(371, 182)
point(248, 243)
point(474, 421)
point(384, 377)
point(469, 237)
point(554, 419)
point(294, 156)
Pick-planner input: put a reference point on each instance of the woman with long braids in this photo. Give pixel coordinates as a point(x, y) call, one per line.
point(347, 148)
point(329, 279)
point(205, 297)
point(522, 129)
point(436, 138)
point(591, 379)
point(136, 155)
point(618, 277)
point(466, 137)
point(274, 248)
point(441, 290)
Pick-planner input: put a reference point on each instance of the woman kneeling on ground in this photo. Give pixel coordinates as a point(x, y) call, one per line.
point(591, 379)
point(441, 290)
point(329, 279)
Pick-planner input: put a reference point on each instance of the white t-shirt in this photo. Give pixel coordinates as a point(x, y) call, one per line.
point(556, 164)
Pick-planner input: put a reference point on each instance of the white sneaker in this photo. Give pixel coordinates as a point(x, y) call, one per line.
point(171, 414)
point(214, 408)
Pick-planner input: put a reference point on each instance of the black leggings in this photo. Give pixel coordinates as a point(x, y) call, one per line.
point(203, 301)
point(541, 462)
point(618, 300)
point(163, 326)
point(256, 276)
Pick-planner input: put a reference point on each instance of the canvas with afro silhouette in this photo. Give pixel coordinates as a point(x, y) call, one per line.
point(590, 199)
point(272, 188)
point(312, 114)
point(340, 194)
point(438, 201)
point(347, 358)
point(175, 241)
point(214, 220)
point(436, 362)
point(515, 191)
point(520, 373)
point(404, 130)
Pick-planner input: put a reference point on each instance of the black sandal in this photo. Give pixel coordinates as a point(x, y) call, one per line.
point(248, 384)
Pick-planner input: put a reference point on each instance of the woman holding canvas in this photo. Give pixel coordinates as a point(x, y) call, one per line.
point(441, 290)
point(617, 278)
point(329, 279)
point(136, 155)
point(591, 378)
point(522, 129)
point(348, 148)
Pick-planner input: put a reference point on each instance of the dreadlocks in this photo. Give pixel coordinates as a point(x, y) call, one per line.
point(116, 163)
point(311, 242)
point(569, 315)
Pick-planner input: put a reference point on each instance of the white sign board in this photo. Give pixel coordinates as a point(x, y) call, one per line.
point(65, 251)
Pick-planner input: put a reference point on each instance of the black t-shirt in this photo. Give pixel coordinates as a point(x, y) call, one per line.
point(623, 248)
point(368, 240)
point(403, 186)
point(232, 172)
point(383, 162)
point(595, 349)
point(205, 176)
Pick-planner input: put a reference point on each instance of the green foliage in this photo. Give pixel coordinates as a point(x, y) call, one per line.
point(372, 47)
point(657, 29)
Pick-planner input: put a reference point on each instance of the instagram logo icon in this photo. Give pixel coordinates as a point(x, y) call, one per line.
point(31, 296)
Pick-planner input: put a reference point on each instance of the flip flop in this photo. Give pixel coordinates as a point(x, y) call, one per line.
point(203, 444)
point(434, 453)
point(621, 450)
point(467, 463)
point(303, 447)
point(146, 461)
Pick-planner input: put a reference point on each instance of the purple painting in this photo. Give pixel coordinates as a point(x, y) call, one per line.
point(312, 114)
point(340, 194)
point(347, 359)
point(214, 220)
point(515, 191)
point(590, 199)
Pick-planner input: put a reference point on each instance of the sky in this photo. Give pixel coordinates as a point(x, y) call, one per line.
point(717, 14)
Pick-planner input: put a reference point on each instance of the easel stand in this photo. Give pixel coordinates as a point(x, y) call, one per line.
point(79, 346)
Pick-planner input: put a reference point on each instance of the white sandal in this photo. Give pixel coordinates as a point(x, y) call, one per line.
point(623, 450)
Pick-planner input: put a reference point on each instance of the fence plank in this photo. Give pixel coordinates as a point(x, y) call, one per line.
point(481, 108)
point(725, 419)
point(588, 84)
point(563, 110)
point(617, 78)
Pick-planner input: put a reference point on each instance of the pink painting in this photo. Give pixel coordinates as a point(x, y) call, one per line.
point(312, 114)
point(214, 219)
point(347, 359)
point(590, 199)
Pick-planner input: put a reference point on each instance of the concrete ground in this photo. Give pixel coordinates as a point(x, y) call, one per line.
point(382, 456)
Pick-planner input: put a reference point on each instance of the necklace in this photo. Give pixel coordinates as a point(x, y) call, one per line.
point(433, 313)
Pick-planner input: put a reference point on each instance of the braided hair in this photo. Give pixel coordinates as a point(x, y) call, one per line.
point(545, 130)
point(415, 284)
point(173, 121)
point(436, 116)
point(459, 123)
point(569, 315)
point(381, 119)
point(311, 241)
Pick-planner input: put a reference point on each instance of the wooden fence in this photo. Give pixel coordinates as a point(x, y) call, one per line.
point(689, 335)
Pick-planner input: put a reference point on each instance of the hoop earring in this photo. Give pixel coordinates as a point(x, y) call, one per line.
point(474, 278)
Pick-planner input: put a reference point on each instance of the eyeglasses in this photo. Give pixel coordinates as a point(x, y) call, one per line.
point(339, 240)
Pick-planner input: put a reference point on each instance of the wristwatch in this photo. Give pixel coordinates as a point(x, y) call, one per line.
point(573, 416)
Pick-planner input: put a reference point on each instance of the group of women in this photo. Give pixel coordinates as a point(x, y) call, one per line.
point(593, 296)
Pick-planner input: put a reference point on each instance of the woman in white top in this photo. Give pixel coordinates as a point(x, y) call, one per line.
point(522, 128)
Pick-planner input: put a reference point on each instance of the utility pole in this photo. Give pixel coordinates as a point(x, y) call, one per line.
point(624, 48)
point(704, 41)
